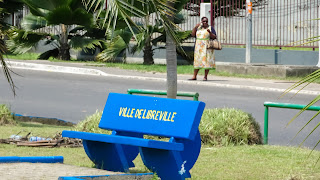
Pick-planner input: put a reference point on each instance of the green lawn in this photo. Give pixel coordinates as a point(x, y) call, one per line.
point(233, 162)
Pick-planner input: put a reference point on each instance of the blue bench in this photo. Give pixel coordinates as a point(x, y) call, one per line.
point(130, 117)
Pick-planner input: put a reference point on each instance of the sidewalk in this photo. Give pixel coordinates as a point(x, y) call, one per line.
point(217, 81)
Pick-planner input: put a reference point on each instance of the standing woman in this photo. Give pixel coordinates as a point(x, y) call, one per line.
point(203, 57)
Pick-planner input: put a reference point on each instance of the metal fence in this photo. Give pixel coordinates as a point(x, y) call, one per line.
point(277, 23)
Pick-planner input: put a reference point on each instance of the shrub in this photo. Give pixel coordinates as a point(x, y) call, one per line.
point(91, 124)
point(228, 126)
point(6, 117)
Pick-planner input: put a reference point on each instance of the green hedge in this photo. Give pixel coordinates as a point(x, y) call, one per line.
point(91, 124)
point(228, 126)
point(6, 117)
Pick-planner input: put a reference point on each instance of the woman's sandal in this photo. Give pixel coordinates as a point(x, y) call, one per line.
point(205, 79)
point(192, 79)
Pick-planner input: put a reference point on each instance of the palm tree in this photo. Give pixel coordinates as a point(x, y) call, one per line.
point(145, 41)
point(171, 58)
point(7, 8)
point(69, 16)
point(302, 84)
point(163, 13)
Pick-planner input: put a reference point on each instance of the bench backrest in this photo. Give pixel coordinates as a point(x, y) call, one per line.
point(152, 115)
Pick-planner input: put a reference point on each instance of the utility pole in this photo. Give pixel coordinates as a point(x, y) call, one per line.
point(249, 32)
point(318, 65)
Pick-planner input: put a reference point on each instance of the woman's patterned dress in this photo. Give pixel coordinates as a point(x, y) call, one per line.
point(203, 57)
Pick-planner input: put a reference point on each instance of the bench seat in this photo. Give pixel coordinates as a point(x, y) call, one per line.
point(125, 140)
point(130, 117)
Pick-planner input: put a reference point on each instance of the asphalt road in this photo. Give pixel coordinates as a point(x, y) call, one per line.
point(73, 97)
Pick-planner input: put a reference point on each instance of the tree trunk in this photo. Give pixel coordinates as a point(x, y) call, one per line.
point(147, 50)
point(148, 53)
point(64, 49)
point(171, 57)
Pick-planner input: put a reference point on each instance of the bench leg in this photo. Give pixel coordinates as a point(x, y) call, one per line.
point(172, 164)
point(166, 164)
point(112, 157)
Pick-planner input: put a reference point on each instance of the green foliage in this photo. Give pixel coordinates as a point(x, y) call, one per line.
point(227, 126)
point(6, 117)
point(91, 124)
point(141, 32)
point(32, 22)
point(22, 41)
point(63, 14)
point(301, 84)
point(68, 16)
point(115, 46)
point(6, 8)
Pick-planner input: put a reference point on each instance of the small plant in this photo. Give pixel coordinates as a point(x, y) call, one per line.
point(228, 126)
point(91, 124)
point(6, 117)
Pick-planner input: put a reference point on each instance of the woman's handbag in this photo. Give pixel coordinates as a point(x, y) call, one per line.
point(214, 44)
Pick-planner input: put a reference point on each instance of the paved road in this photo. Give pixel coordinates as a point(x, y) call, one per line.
point(72, 97)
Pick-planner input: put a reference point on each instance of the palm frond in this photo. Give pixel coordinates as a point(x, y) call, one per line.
point(312, 129)
point(306, 80)
point(31, 22)
point(68, 16)
point(5, 68)
point(39, 7)
point(22, 41)
point(84, 43)
point(127, 9)
point(139, 45)
point(114, 48)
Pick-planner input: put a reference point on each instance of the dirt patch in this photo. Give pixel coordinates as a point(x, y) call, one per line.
point(43, 120)
point(46, 171)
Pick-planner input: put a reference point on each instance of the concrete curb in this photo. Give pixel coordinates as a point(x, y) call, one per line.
point(54, 68)
point(95, 72)
point(32, 159)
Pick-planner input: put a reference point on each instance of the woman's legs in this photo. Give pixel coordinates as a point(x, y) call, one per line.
point(206, 72)
point(195, 73)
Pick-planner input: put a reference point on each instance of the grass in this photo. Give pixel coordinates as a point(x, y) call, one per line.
point(36, 129)
point(256, 162)
point(25, 56)
point(188, 70)
point(29, 56)
point(232, 162)
point(219, 162)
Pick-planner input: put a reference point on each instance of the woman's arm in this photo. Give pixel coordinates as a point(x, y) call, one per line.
point(194, 30)
point(212, 35)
